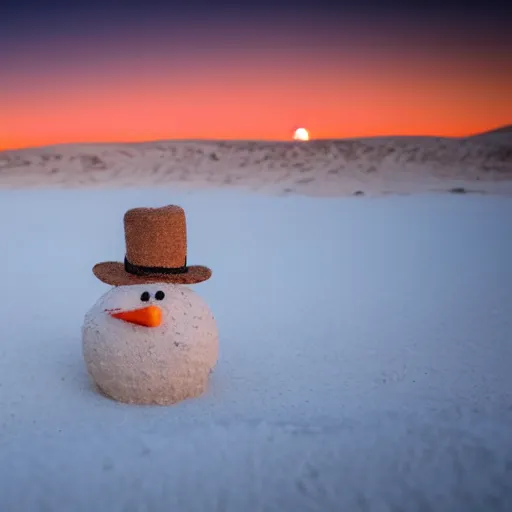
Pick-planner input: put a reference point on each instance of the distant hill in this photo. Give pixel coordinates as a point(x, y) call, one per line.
point(335, 167)
point(502, 129)
point(498, 136)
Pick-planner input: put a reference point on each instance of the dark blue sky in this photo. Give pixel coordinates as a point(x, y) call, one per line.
point(28, 24)
point(24, 16)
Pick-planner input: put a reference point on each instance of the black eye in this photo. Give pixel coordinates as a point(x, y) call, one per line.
point(145, 297)
point(159, 295)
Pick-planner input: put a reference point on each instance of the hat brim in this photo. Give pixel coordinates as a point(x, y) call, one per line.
point(114, 274)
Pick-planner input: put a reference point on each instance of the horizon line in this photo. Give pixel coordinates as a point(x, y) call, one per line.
point(503, 128)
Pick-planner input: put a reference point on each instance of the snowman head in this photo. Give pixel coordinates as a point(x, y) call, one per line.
point(150, 343)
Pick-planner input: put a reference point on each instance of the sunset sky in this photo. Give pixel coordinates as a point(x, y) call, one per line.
point(167, 70)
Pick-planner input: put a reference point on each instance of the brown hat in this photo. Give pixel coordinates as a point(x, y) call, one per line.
point(156, 250)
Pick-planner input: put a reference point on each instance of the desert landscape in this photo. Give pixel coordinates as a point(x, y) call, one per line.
point(373, 166)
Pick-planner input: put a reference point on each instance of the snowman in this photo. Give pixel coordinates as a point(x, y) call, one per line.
point(150, 339)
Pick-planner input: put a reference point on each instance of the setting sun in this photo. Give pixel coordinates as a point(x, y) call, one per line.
point(301, 134)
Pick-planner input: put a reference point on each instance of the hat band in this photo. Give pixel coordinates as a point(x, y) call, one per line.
point(140, 270)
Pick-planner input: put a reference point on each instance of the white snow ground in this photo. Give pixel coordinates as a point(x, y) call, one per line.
point(365, 357)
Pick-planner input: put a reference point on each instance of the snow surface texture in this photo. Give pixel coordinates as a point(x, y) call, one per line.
point(373, 166)
point(364, 362)
point(159, 365)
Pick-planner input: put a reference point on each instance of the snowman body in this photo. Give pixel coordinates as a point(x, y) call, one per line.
point(150, 343)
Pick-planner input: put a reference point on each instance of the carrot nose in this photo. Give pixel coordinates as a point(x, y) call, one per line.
point(147, 317)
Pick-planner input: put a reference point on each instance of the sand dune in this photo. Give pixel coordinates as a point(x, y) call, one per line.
point(380, 165)
point(502, 136)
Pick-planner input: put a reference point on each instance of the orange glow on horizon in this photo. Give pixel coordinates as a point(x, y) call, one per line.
point(255, 100)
